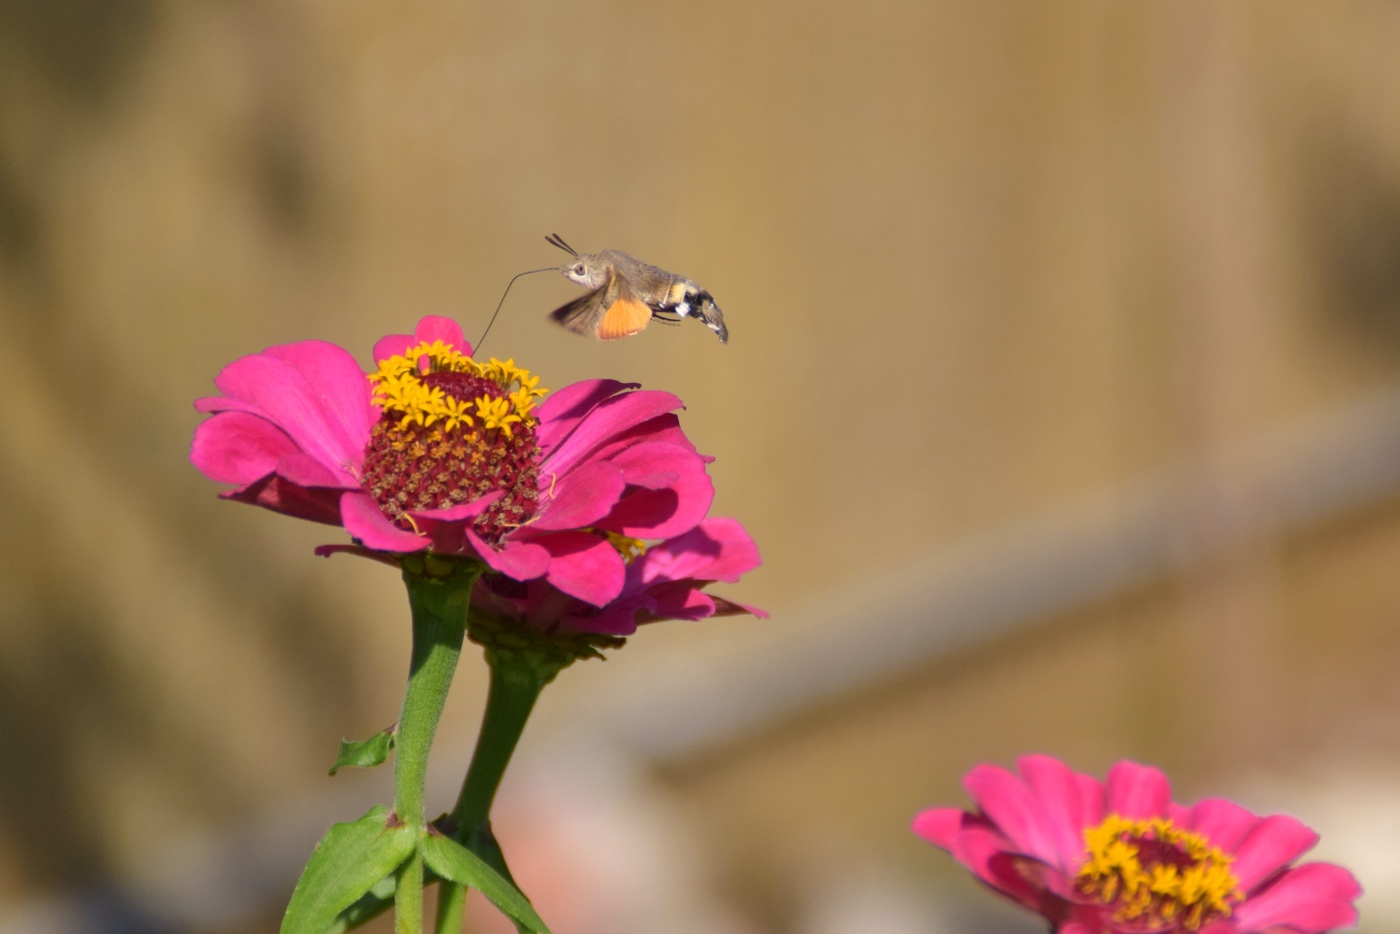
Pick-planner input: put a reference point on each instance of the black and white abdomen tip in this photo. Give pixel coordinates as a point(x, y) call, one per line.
point(695, 302)
point(707, 311)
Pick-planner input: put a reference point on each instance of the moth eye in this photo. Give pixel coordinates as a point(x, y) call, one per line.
point(578, 270)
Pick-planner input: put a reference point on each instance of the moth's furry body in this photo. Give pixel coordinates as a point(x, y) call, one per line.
point(626, 293)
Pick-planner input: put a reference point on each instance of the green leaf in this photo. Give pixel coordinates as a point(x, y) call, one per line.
point(379, 899)
point(455, 863)
point(364, 753)
point(374, 903)
point(351, 859)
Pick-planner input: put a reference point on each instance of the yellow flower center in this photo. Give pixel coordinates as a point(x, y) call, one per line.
point(431, 383)
point(1152, 873)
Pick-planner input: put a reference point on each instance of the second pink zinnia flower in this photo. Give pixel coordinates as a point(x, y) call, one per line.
point(1120, 857)
point(436, 451)
point(666, 580)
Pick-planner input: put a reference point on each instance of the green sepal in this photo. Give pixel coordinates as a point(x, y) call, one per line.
point(543, 654)
point(351, 859)
point(455, 863)
point(364, 753)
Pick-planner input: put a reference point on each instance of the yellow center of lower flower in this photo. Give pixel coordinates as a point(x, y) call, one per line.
point(453, 430)
point(1154, 874)
point(628, 547)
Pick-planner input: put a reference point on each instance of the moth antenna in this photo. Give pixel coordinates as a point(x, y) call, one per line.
point(555, 240)
point(528, 272)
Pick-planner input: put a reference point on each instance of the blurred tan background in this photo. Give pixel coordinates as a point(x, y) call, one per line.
point(1063, 399)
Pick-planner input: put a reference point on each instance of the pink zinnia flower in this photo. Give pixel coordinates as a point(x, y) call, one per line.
point(1120, 857)
point(436, 451)
point(663, 581)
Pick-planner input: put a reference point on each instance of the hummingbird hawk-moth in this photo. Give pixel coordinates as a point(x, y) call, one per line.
point(626, 293)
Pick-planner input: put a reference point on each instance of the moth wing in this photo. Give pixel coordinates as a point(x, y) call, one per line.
point(624, 317)
point(583, 313)
point(608, 313)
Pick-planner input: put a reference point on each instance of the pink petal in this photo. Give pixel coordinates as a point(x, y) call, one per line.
point(725, 607)
point(446, 528)
point(1093, 798)
point(345, 392)
point(1220, 927)
point(562, 411)
point(1075, 927)
point(462, 511)
point(238, 447)
point(654, 514)
point(716, 550)
point(605, 420)
point(1091, 919)
point(656, 465)
point(583, 566)
point(665, 513)
point(991, 858)
point(518, 560)
point(304, 405)
point(1221, 821)
point(581, 498)
point(1086, 919)
point(392, 345)
point(316, 504)
point(1056, 788)
point(305, 471)
point(437, 328)
point(984, 852)
point(684, 600)
point(1273, 843)
point(209, 404)
point(618, 618)
point(681, 600)
point(1313, 897)
point(1138, 791)
point(430, 328)
point(366, 522)
point(235, 447)
point(1010, 805)
point(541, 605)
point(326, 551)
point(939, 825)
point(664, 429)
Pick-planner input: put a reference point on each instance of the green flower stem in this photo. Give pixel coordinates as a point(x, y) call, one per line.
point(439, 594)
point(408, 896)
point(516, 684)
point(514, 689)
point(452, 908)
